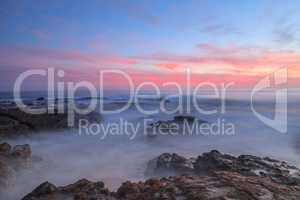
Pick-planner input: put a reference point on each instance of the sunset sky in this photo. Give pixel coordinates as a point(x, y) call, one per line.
point(220, 41)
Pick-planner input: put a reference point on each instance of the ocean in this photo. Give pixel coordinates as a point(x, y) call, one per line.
point(69, 155)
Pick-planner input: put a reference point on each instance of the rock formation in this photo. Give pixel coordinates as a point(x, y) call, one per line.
point(211, 176)
point(14, 122)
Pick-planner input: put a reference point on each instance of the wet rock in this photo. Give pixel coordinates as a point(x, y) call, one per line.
point(21, 151)
point(211, 176)
point(15, 122)
point(169, 164)
point(187, 118)
point(11, 161)
point(213, 161)
point(150, 189)
point(44, 189)
point(5, 148)
point(216, 186)
point(81, 190)
point(7, 175)
point(179, 125)
point(41, 99)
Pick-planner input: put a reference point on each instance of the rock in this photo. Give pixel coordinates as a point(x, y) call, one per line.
point(40, 99)
point(44, 189)
point(218, 185)
point(11, 161)
point(127, 189)
point(81, 190)
point(15, 122)
point(5, 148)
point(169, 164)
point(215, 186)
point(213, 161)
point(178, 125)
point(7, 175)
point(187, 118)
point(21, 151)
point(211, 176)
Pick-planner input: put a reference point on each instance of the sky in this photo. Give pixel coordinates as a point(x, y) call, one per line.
point(157, 40)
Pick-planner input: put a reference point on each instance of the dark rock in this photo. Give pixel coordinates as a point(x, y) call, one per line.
point(212, 176)
point(220, 185)
point(14, 122)
point(11, 161)
point(40, 99)
point(182, 118)
point(7, 175)
point(5, 148)
point(81, 190)
point(21, 151)
point(178, 125)
point(128, 188)
point(169, 164)
point(44, 189)
point(213, 161)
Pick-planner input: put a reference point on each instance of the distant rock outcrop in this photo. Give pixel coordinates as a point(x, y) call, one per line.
point(177, 125)
point(14, 122)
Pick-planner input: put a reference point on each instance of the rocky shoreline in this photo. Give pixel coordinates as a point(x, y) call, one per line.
point(15, 122)
point(210, 176)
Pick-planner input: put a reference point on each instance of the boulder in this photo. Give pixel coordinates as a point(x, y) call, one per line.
point(44, 189)
point(169, 164)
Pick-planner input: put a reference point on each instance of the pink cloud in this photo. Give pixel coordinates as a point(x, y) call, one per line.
point(231, 59)
point(39, 57)
point(170, 66)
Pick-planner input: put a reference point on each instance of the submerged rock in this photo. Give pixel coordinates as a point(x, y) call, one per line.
point(179, 125)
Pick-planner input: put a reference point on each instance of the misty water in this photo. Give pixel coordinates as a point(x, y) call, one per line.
point(65, 157)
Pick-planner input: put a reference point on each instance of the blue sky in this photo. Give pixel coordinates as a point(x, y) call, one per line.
point(142, 30)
